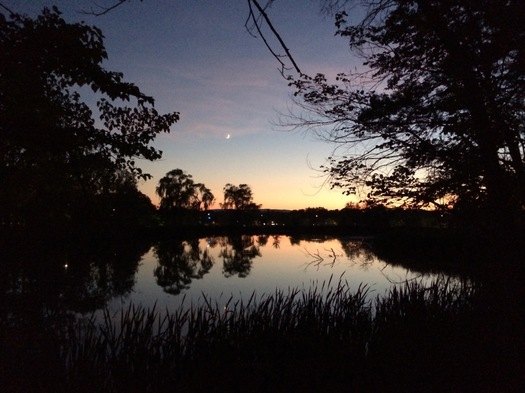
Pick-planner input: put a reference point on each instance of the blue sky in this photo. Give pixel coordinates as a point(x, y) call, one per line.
point(196, 57)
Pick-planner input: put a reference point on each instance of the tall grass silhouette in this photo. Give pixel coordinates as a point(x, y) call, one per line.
point(328, 337)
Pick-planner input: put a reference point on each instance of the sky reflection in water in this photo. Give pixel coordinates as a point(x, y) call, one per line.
point(225, 267)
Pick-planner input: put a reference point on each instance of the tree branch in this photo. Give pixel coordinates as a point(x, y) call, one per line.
point(7, 9)
point(263, 13)
point(105, 10)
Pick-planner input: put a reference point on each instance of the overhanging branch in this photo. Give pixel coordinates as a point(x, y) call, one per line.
point(105, 10)
point(262, 12)
point(7, 9)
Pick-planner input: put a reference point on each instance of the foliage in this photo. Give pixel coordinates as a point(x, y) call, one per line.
point(56, 150)
point(239, 197)
point(178, 190)
point(414, 337)
point(435, 116)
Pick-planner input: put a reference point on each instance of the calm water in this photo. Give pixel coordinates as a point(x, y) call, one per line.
point(85, 277)
point(224, 267)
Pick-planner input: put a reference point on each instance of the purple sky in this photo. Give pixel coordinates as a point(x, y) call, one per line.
point(196, 57)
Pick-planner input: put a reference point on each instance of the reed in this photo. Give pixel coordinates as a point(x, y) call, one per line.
point(326, 337)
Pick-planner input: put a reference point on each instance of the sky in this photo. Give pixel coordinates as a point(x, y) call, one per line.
point(196, 57)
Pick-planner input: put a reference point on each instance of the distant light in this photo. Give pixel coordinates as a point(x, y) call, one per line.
point(65, 266)
point(228, 136)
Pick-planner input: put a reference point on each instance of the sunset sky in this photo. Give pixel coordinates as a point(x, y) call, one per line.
point(197, 58)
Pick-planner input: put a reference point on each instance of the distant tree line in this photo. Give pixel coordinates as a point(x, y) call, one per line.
point(186, 203)
point(182, 200)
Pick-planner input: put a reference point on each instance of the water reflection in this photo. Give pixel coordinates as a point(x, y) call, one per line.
point(238, 253)
point(37, 278)
point(180, 262)
point(185, 270)
point(95, 276)
point(87, 276)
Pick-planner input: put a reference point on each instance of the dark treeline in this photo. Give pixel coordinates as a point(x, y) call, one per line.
point(349, 221)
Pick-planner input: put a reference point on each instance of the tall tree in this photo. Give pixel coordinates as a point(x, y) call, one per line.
point(54, 152)
point(238, 197)
point(178, 190)
point(436, 114)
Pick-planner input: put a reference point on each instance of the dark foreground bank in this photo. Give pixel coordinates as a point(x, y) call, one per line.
point(446, 337)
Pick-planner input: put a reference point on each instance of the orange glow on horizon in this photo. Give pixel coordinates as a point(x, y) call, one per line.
point(285, 200)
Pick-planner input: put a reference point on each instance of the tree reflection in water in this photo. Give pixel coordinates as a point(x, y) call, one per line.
point(96, 277)
point(180, 262)
point(358, 252)
point(262, 240)
point(238, 253)
point(38, 278)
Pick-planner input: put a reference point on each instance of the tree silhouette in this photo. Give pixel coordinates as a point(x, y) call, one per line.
point(435, 115)
point(54, 153)
point(238, 197)
point(178, 190)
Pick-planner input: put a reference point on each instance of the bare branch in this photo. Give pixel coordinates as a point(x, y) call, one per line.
point(104, 10)
point(7, 9)
point(256, 23)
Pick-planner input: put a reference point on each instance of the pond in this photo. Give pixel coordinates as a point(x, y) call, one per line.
point(236, 267)
point(232, 348)
point(83, 277)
